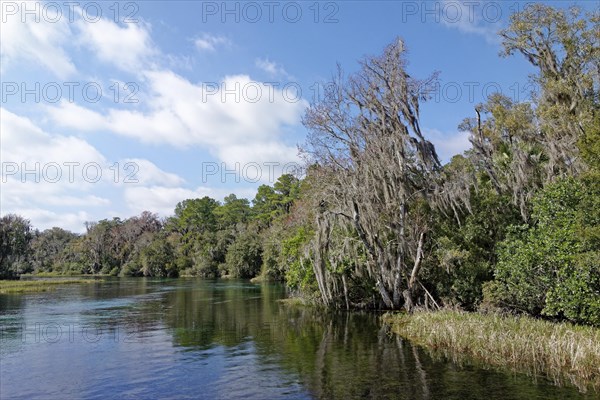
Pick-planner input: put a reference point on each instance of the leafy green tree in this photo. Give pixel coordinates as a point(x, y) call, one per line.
point(195, 215)
point(244, 255)
point(157, 259)
point(272, 202)
point(264, 205)
point(48, 249)
point(232, 212)
point(552, 267)
point(519, 151)
point(299, 273)
point(100, 245)
point(110, 246)
point(194, 223)
point(15, 236)
point(464, 253)
point(287, 189)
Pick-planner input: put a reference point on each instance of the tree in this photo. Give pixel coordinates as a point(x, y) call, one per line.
point(563, 45)
point(272, 202)
point(48, 249)
point(375, 168)
point(195, 223)
point(471, 218)
point(15, 236)
point(264, 204)
point(287, 188)
point(546, 159)
point(195, 215)
point(244, 255)
point(232, 212)
point(507, 147)
point(157, 259)
point(522, 146)
point(553, 267)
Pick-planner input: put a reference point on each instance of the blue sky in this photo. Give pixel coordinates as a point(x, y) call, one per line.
point(112, 108)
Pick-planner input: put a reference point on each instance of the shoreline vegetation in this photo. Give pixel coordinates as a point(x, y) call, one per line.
point(38, 285)
point(55, 274)
point(561, 352)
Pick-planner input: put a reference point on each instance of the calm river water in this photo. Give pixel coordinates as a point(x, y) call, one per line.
point(199, 339)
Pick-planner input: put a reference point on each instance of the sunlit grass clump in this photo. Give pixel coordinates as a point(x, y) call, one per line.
point(39, 285)
point(561, 351)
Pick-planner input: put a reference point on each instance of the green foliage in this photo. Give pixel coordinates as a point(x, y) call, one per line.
point(563, 44)
point(299, 273)
point(195, 215)
point(576, 294)
point(273, 267)
point(264, 204)
point(232, 212)
point(589, 143)
point(272, 202)
point(49, 249)
point(552, 267)
point(286, 188)
point(157, 259)
point(204, 238)
point(15, 236)
point(464, 249)
point(244, 255)
point(524, 273)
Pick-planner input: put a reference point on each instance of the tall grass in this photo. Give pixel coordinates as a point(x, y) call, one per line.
point(51, 274)
point(38, 285)
point(561, 351)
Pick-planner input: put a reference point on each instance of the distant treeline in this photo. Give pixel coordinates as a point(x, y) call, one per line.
point(513, 223)
point(203, 238)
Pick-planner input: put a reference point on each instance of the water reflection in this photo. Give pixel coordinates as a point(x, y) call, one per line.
point(142, 338)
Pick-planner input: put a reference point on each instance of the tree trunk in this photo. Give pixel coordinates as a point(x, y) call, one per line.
point(409, 293)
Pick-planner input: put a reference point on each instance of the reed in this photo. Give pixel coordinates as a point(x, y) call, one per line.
point(560, 351)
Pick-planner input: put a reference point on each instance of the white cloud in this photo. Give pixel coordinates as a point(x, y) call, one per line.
point(128, 47)
point(48, 204)
point(470, 18)
point(208, 42)
point(77, 201)
point(76, 117)
point(260, 153)
point(41, 170)
point(55, 177)
point(42, 218)
point(25, 142)
point(238, 119)
point(147, 173)
point(272, 68)
point(36, 43)
point(448, 145)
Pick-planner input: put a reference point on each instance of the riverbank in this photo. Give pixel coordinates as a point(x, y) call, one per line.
point(37, 285)
point(560, 351)
point(55, 274)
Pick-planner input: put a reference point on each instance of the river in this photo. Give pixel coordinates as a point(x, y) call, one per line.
point(201, 339)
